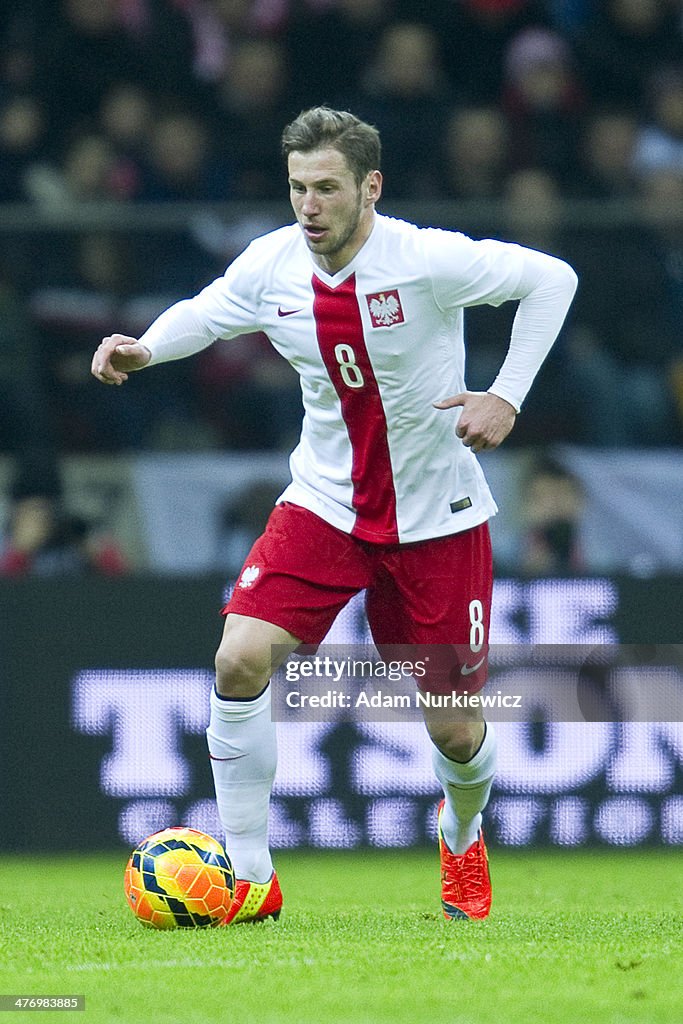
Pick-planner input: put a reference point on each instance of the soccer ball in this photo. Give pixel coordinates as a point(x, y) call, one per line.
point(179, 878)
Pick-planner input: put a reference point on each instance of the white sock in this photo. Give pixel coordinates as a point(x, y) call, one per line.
point(243, 748)
point(466, 787)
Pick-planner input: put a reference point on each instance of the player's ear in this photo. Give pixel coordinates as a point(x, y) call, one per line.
point(373, 189)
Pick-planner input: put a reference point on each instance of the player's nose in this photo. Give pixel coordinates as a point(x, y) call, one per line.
point(309, 204)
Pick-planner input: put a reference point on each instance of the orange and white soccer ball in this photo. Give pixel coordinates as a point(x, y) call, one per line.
point(179, 878)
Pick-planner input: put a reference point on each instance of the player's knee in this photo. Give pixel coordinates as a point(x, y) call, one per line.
point(458, 741)
point(240, 671)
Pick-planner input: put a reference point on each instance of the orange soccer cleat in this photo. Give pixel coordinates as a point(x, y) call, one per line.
point(255, 901)
point(465, 880)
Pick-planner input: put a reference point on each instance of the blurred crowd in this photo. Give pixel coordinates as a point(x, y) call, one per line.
point(529, 103)
point(185, 99)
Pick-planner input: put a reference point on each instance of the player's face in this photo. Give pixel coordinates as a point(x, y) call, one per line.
point(335, 212)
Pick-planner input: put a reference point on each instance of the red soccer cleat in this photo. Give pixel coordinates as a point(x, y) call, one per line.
point(255, 901)
point(465, 880)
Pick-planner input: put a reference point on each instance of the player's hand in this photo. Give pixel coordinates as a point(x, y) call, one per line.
point(485, 420)
point(118, 356)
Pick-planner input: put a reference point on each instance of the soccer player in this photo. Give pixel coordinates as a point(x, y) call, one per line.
point(387, 495)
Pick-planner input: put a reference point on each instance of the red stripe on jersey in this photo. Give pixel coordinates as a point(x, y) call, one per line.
point(342, 345)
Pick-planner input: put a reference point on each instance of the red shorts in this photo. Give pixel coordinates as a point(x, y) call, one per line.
point(302, 571)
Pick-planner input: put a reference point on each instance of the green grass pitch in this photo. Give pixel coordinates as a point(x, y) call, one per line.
point(575, 938)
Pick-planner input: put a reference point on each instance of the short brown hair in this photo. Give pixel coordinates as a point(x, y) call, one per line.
point(322, 127)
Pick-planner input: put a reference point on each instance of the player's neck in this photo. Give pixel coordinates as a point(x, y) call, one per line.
point(333, 263)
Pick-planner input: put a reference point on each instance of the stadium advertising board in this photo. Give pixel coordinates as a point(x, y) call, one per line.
point(105, 705)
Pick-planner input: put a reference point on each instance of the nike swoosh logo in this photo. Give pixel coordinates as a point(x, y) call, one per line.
point(286, 312)
point(235, 758)
point(467, 670)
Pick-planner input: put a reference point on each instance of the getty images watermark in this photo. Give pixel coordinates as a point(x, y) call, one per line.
point(516, 683)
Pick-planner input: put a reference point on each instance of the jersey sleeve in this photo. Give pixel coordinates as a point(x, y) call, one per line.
point(466, 272)
point(545, 293)
point(224, 309)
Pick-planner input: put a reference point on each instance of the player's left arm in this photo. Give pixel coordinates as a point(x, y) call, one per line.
point(545, 292)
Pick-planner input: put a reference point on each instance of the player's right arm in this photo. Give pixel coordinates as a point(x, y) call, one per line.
point(225, 308)
point(180, 331)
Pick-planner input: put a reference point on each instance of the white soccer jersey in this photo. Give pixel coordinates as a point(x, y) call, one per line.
point(375, 345)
